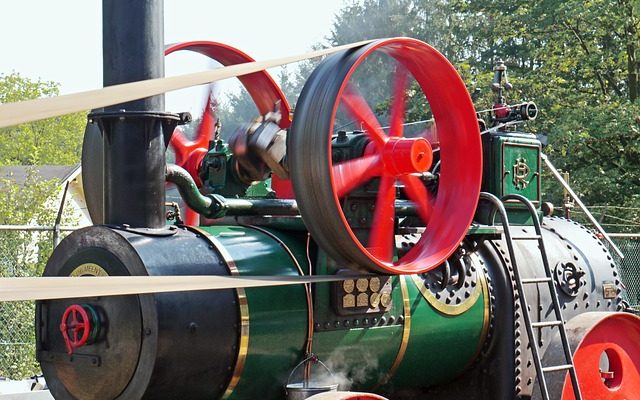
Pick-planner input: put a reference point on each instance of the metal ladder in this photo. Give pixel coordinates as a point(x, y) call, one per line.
point(548, 279)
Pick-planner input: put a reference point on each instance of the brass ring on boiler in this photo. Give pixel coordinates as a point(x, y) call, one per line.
point(243, 348)
point(449, 309)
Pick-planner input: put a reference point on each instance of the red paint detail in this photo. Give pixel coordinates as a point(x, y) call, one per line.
point(458, 138)
point(406, 156)
point(350, 174)
point(191, 217)
point(360, 111)
point(75, 332)
point(419, 194)
point(282, 187)
point(618, 336)
point(381, 237)
point(607, 375)
point(501, 110)
point(189, 153)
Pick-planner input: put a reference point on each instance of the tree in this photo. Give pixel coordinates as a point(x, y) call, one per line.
point(52, 141)
point(576, 59)
point(23, 253)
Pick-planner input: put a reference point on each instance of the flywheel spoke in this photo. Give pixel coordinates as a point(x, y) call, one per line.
point(418, 194)
point(183, 147)
point(350, 174)
point(381, 238)
point(359, 110)
point(398, 101)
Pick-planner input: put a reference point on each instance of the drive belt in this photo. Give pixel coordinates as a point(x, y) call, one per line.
point(34, 110)
point(65, 287)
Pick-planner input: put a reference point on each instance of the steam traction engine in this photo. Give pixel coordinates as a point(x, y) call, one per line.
point(439, 289)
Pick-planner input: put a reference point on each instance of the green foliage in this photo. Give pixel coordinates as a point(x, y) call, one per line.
point(22, 254)
point(576, 59)
point(52, 141)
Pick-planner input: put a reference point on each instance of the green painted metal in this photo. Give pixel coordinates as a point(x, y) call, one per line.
point(512, 166)
point(360, 357)
point(277, 316)
point(440, 346)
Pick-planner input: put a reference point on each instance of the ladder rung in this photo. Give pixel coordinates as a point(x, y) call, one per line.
point(557, 368)
point(545, 324)
point(536, 280)
point(532, 237)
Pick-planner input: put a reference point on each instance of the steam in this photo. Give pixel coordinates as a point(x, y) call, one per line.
point(344, 367)
point(352, 367)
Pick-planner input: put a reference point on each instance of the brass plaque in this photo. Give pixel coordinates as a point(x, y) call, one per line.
point(348, 301)
point(89, 269)
point(362, 284)
point(348, 286)
point(363, 300)
point(609, 290)
point(385, 299)
point(374, 300)
point(374, 284)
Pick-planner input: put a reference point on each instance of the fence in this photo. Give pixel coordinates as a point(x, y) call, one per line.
point(23, 252)
point(629, 266)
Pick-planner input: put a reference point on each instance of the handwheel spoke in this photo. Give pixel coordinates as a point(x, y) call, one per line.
point(398, 102)
point(359, 110)
point(381, 238)
point(418, 194)
point(350, 174)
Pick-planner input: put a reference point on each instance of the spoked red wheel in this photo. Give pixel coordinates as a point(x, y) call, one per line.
point(261, 87)
point(606, 357)
point(396, 163)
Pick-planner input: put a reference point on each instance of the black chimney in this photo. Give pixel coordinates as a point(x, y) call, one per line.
point(134, 133)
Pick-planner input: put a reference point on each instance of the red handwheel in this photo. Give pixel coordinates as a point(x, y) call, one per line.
point(75, 327)
point(394, 161)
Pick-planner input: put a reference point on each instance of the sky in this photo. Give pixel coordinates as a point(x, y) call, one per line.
point(61, 41)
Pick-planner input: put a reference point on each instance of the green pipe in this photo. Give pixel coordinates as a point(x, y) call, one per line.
point(189, 192)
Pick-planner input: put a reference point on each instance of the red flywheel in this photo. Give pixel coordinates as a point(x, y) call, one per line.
point(261, 87)
point(347, 87)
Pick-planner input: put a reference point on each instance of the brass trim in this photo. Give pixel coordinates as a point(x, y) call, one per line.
point(89, 269)
point(243, 305)
point(448, 309)
point(406, 333)
point(307, 287)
